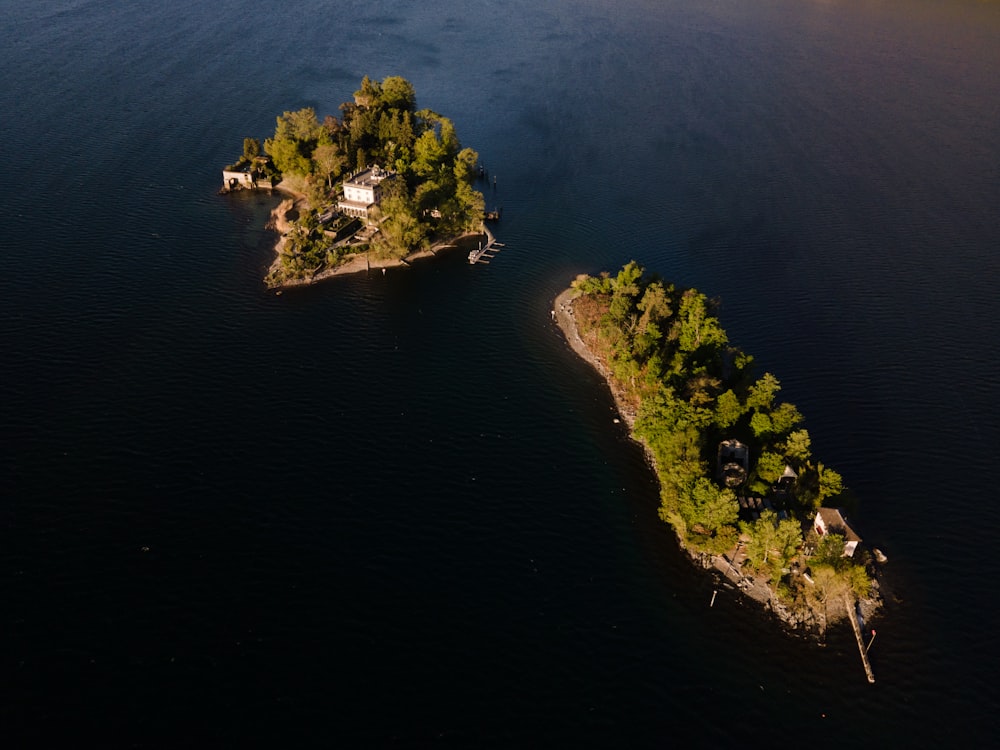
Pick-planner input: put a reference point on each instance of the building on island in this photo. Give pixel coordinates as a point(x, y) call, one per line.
point(833, 521)
point(363, 192)
point(248, 175)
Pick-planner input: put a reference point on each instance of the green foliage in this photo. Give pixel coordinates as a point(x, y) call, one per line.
point(433, 193)
point(669, 356)
point(694, 326)
point(762, 393)
point(830, 482)
point(399, 231)
point(772, 541)
point(798, 446)
point(830, 551)
point(330, 161)
point(770, 466)
point(760, 423)
point(296, 136)
point(783, 419)
point(592, 284)
point(398, 93)
point(251, 149)
point(728, 409)
point(708, 506)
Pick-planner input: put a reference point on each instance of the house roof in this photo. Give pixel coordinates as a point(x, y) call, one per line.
point(835, 522)
point(369, 178)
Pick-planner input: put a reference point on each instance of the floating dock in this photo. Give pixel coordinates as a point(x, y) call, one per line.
point(486, 252)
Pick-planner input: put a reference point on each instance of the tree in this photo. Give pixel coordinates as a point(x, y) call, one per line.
point(251, 149)
point(296, 136)
point(830, 482)
point(772, 539)
point(398, 93)
point(760, 423)
point(709, 506)
point(761, 394)
point(369, 93)
point(400, 233)
point(728, 409)
point(287, 157)
point(770, 466)
point(695, 327)
point(330, 161)
point(784, 418)
point(624, 290)
point(429, 154)
point(798, 445)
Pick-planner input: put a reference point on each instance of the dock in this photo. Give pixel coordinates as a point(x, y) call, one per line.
point(862, 649)
point(486, 252)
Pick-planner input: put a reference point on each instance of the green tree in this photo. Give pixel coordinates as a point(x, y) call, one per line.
point(296, 136)
point(798, 446)
point(784, 418)
point(695, 327)
point(287, 157)
point(761, 394)
point(251, 149)
point(771, 540)
point(330, 161)
point(624, 290)
point(398, 93)
point(369, 93)
point(728, 409)
point(760, 423)
point(708, 506)
point(830, 482)
point(400, 233)
point(770, 466)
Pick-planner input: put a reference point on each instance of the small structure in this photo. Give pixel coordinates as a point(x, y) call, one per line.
point(834, 521)
point(733, 463)
point(363, 192)
point(247, 175)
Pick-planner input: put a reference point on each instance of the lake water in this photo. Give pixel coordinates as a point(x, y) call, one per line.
point(396, 509)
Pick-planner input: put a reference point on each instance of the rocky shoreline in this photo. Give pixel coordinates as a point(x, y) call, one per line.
point(723, 567)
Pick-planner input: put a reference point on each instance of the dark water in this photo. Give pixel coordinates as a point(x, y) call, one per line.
point(395, 510)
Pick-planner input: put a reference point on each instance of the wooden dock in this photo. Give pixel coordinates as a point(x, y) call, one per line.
point(862, 649)
point(486, 252)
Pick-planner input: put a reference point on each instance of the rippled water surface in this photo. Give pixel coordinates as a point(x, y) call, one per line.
point(396, 509)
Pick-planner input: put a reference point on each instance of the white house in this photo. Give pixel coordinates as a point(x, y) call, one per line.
point(833, 521)
point(363, 192)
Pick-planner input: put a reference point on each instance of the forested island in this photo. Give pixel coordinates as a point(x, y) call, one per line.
point(738, 482)
point(383, 183)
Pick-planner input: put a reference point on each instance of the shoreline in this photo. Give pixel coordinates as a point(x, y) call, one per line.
point(360, 263)
point(722, 567)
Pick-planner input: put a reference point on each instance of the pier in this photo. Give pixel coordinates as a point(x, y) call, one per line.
point(852, 615)
point(486, 252)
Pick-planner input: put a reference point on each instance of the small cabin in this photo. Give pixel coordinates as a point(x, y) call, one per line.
point(834, 521)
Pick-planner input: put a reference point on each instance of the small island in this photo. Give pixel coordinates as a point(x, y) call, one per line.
point(738, 482)
point(380, 186)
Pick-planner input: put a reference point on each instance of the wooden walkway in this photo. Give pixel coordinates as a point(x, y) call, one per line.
point(862, 649)
point(486, 252)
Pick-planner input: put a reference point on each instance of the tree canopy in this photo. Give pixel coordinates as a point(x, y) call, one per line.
point(671, 361)
point(432, 190)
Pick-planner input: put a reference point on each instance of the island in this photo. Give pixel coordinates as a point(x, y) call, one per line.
point(738, 482)
point(382, 185)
